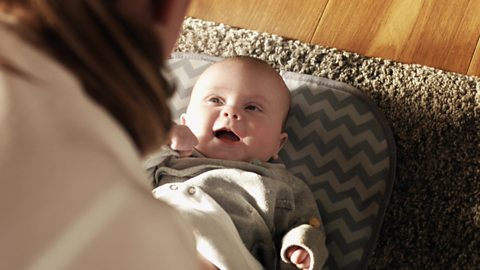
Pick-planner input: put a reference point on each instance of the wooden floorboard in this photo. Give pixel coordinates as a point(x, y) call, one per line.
point(474, 68)
point(282, 17)
point(438, 33)
point(350, 25)
point(445, 35)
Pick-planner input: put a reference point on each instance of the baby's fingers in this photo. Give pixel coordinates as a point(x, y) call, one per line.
point(184, 144)
point(182, 140)
point(299, 257)
point(185, 153)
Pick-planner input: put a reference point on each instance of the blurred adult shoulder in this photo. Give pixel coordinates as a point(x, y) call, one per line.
point(72, 191)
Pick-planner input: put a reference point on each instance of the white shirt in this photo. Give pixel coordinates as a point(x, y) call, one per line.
point(72, 191)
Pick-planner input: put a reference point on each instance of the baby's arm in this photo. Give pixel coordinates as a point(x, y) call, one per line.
point(304, 243)
point(182, 140)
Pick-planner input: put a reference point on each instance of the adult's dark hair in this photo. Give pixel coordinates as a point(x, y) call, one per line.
point(118, 60)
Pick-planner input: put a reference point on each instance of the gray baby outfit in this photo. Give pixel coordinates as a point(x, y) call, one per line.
point(271, 209)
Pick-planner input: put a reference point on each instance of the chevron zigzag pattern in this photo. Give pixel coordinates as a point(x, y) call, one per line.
point(337, 144)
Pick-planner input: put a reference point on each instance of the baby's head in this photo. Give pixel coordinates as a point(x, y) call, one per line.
point(238, 109)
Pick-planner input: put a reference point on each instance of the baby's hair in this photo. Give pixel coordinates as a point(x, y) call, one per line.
point(249, 58)
point(261, 63)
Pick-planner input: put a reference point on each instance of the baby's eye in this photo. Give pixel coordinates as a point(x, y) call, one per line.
point(214, 100)
point(253, 108)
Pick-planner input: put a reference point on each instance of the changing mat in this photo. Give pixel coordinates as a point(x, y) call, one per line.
point(339, 143)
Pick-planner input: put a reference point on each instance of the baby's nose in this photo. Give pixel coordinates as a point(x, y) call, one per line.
point(231, 113)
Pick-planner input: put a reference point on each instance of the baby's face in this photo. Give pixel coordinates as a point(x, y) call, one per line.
point(237, 111)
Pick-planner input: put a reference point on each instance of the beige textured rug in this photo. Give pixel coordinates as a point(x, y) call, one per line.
point(433, 219)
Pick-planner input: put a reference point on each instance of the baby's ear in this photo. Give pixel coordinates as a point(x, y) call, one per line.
point(282, 142)
point(183, 119)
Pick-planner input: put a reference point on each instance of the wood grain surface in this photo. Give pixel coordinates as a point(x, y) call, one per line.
point(439, 33)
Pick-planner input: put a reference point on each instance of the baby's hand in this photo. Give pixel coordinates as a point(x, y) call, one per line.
point(182, 140)
point(299, 256)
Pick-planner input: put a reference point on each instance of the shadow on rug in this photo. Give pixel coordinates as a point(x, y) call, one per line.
point(433, 219)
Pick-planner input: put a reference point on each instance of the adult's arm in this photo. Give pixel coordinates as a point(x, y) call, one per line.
point(72, 191)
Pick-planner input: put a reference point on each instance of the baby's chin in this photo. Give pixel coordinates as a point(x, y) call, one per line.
point(229, 154)
point(233, 157)
point(225, 155)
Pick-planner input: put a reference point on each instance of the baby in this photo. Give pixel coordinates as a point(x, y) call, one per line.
point(222, 172)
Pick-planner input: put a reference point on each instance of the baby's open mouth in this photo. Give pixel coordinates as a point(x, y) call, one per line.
point(226, 135)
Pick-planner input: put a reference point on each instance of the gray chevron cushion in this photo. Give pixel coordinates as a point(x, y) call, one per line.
point(339, 143)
